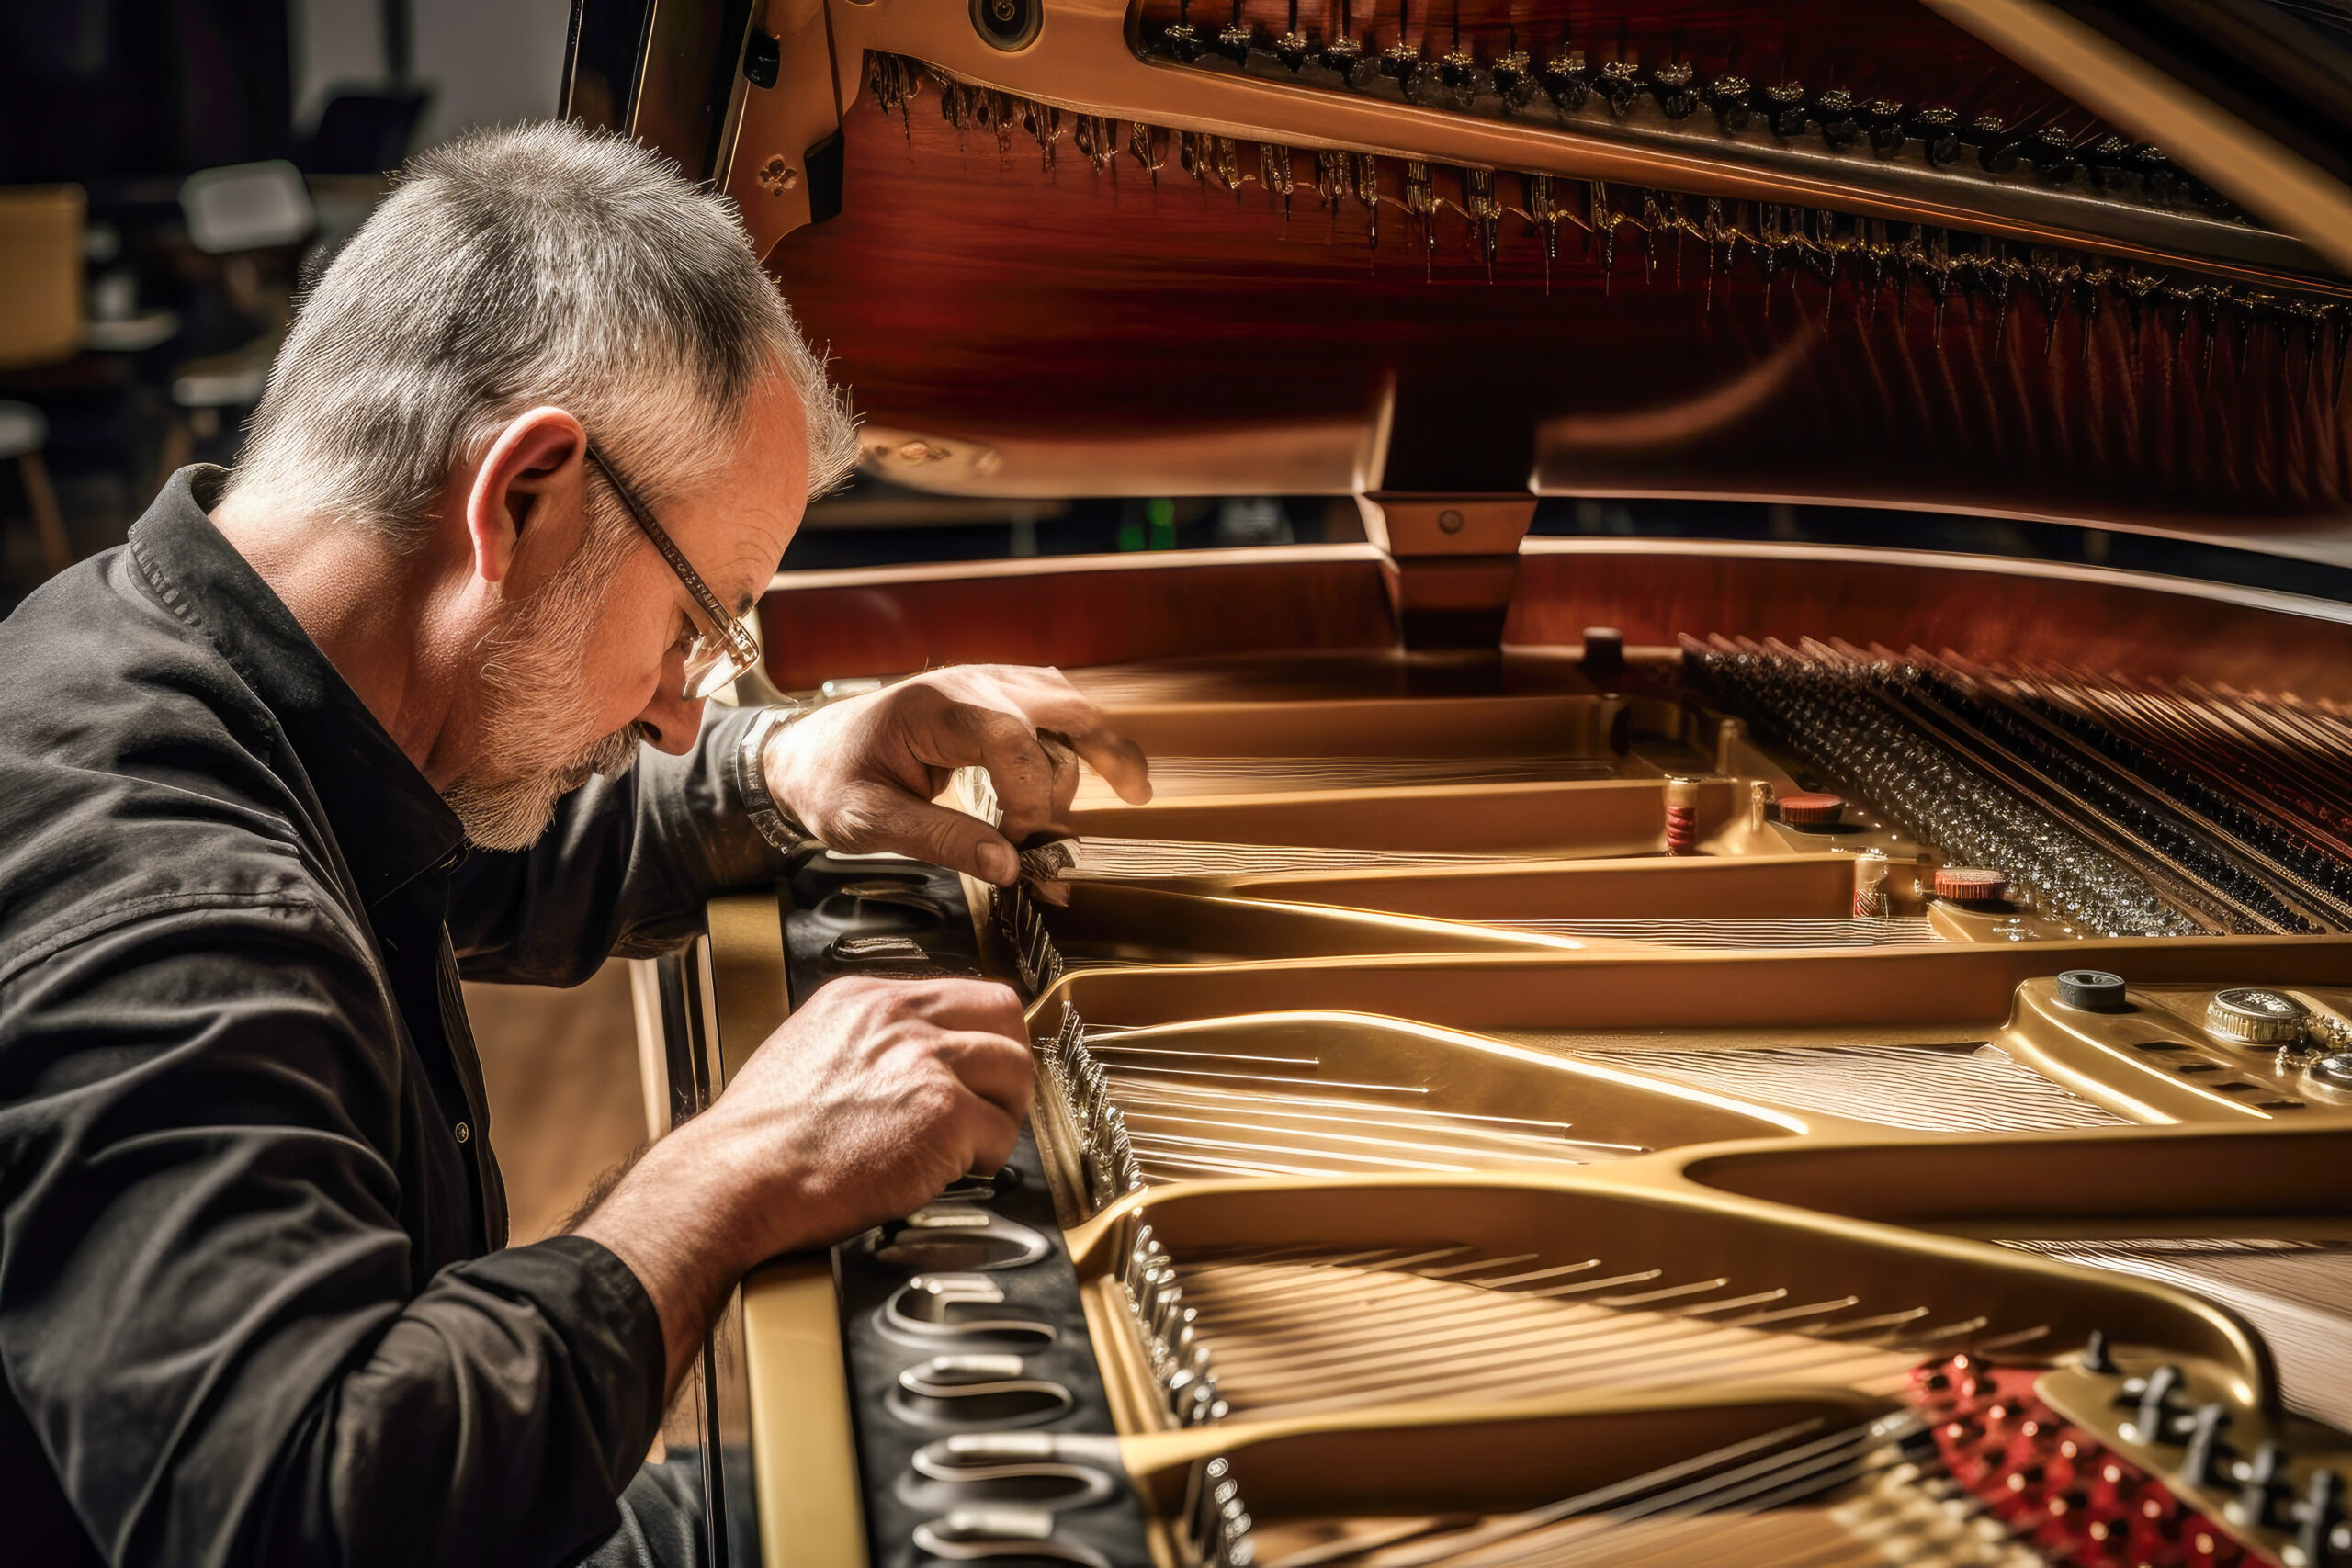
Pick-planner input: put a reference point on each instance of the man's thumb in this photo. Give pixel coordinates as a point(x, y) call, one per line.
point(944, 836)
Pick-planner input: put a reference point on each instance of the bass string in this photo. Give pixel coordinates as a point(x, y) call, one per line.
point(1752, 1481)
point(1210, 1113)
point(1806, 1469)
point(1177, 1127)
point(1177, 777)
point(1927, 1089)
point(1290, 1344)
point(1166, 1156)
point(1888, 1507)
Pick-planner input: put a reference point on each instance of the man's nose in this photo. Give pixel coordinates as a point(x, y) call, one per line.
point(670, 721)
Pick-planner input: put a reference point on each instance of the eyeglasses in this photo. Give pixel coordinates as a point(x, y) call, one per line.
point(719, 655)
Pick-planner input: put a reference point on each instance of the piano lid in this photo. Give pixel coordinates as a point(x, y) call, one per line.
point(2089, 262)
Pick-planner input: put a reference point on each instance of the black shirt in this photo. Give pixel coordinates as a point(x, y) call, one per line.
point(254, 1306)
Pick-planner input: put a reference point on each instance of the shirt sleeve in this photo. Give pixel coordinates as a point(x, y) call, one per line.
point(211, 1315)
point(626, 867)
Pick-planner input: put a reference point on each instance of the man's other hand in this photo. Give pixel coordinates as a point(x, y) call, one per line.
point(873, 1098)
point(870, 1101)
point(863, 775)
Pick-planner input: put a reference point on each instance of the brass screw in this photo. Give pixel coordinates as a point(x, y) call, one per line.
point(1449, 521)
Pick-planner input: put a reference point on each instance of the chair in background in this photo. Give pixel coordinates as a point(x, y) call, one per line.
point(233, 212)
point(41, 323)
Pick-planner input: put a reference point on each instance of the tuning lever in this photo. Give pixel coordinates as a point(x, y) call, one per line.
point(2258, 1488)
point(2316, 1518)
point(2203, 1465)
point(2152, 1422)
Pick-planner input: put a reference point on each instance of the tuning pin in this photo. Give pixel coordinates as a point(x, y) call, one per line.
point(1618, 83)
point(2159, 181)
point(2095, 1358)
point(2109, 163)
point(1784, 108)
point(1511, 78)
point(1343, 54)
point(1997, 149)
point(1234, 43)
point(2053, 155)
point(2316, 1517)
point(1183, 40)
point(1840, 124)
point(1567, 80)
point(1728, 96)
point(1458, 70)
point(1400, 61)
point(1882, 118)
point(2202, 1465)
point(2260, 1485)
point(1938, 129)
point(1292, 49)
point(1674, 86)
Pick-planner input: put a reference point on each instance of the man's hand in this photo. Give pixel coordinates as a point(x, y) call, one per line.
point(869, 1102)
point(862, 774)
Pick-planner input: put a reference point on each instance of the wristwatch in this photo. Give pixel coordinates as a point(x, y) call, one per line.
point(775, 825)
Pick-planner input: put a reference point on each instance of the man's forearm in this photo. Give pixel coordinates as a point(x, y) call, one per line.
point(671, 1224)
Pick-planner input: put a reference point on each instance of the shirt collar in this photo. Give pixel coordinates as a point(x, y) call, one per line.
point(386, 819)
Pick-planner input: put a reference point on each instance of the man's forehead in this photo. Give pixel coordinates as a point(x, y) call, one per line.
point(767, 489)
point(743, 576)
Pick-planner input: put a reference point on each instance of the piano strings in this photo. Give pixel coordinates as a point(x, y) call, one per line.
point(1200, 1114)
point(1328, 1336)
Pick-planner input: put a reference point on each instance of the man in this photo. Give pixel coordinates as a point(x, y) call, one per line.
point(540, 433)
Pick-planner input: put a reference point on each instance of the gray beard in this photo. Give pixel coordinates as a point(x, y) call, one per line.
point(531, 754)
point(513, 813)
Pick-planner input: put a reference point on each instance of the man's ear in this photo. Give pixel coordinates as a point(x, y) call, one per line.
point(532, 477)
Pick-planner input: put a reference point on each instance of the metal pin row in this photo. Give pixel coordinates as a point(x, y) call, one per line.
point(1106, 1153)
point(1569, 79)
point(1023, 925)
point(1215, 1523)
point(1780, 241)
point(1181, 1362)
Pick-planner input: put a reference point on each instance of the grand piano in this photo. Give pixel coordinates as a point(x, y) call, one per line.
point(1612, 1045)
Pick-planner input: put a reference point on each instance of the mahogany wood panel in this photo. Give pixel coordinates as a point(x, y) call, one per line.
point(1070, 615)
point(1982, 615)
point(975, 294)
point(1075, 614)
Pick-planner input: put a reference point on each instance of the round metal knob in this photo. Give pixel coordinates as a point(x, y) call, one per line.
point(1971, 883)
point(2251, 1016)
point(2091, 990)
point(1810, 809)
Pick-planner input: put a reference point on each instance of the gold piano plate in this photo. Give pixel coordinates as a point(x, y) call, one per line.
point(1300, 1094)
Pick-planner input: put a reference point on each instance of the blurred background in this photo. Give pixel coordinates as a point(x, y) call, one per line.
point(168, 168)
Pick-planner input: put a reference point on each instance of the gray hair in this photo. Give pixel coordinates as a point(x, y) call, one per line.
point(545, 263)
